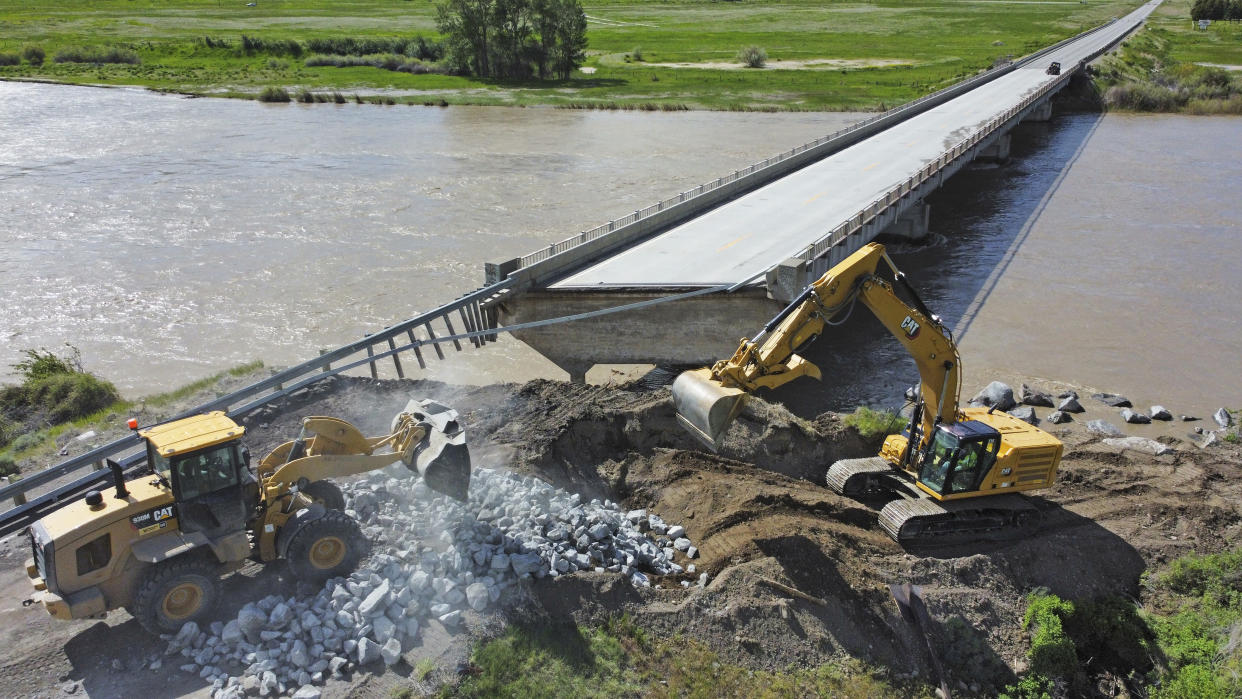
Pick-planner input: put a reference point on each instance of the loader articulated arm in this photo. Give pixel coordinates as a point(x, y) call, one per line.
point(707, 400)
point(426, 437)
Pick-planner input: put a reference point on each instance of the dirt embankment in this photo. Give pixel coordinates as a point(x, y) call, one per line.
point(757, 512)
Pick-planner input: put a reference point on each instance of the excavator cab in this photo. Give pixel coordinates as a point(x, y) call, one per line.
point(958, 457)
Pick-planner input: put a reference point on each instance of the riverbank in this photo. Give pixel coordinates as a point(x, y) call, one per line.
point(656, 56)
point(1173, 66)
point(1120, 521)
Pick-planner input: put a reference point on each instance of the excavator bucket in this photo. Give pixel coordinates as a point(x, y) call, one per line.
point(706, 407)
point(441, 458)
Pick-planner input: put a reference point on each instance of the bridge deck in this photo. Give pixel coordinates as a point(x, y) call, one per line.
point(751, 234)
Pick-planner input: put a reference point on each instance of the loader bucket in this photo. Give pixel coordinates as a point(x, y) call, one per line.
point(442, 458)
point(705, 407)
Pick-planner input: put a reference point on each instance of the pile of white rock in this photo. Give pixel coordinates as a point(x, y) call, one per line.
point(440, 558)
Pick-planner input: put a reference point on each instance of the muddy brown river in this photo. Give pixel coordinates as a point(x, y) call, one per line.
point(169, 238)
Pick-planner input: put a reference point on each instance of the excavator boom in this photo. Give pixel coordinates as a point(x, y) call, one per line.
point(708, 400)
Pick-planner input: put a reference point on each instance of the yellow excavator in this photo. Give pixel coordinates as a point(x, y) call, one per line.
point(159, 544)
point(954, 471)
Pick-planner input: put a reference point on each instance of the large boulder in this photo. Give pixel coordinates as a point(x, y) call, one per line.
point(1134, 418)
point(1113, 400)
point(1142, 444)
point(1223, 418)
point(1159, 412)
point(1025, 414)
point(997, 395)
point(1107, 429)
point(1058, 417)
point(1031, 396)
point(1070, 404)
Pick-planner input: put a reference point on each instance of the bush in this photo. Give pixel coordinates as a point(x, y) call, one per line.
point(33, 54)
point(8, 431)
point(83, 54)
point(42, 363)
point(873, 423)
point(8, 466)
point(1052, 651)
point(10, 59)
point(417, 47)
point(65, 397)
point(305, 96)
point(753, 57)
point(273, 94)
point(279, 47)
point(637, 53)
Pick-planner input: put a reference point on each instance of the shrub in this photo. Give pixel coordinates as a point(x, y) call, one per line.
point(273, 94)
point(873, 423)
point(1052, 651)
point(8, 466)
point(753, 57)
point(10, 59)
point(637, 53)
point(305, 96)
point(277, 64)
point(42, 363)
point(83, 54)
point(33, 55)
point(279, 47)
point(8, 430)
point(64, 397)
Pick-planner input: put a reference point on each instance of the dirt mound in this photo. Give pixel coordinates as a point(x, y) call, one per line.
point(761, 519)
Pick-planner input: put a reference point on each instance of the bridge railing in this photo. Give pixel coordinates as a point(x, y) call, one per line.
point(471, 310)
point(865, 215)
point(760, 171)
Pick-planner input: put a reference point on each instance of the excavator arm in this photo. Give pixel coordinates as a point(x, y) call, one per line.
point(707, 400)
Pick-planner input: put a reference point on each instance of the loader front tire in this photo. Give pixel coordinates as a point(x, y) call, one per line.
point(325, 493)
point(176, 591)
point(328, 547)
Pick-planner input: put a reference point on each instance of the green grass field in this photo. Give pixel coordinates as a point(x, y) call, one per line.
point(1220, 43)
point(893, 50)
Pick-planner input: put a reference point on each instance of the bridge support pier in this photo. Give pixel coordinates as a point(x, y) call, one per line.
point(697, 330)
point(1043, 112)
point(998, 151)
point(912, 224)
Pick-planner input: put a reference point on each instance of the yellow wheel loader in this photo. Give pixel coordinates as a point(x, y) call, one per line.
point(158, 545)
point(954, 471)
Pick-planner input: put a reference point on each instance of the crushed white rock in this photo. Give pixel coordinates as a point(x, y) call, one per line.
point(441, 558)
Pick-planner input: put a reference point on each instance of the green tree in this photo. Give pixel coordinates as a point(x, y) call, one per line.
point(571, 39)
point(513, 39)
point(466, 26)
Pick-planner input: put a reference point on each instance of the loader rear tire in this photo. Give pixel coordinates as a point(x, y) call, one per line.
point(328, 547)
point(325, 493)
point(174, 592)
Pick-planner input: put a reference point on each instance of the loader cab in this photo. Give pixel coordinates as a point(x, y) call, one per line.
point(959, 457)
point(203, 461)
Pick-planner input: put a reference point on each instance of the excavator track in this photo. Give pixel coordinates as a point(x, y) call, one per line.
point(857, 477)
point(927, 522)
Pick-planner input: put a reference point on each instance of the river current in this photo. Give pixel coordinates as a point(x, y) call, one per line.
point(169, 238)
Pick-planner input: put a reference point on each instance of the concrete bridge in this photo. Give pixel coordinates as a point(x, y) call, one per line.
point(763, 233)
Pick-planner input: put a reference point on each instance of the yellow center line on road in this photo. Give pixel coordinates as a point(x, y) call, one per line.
point(726, 246)
point(817, 196)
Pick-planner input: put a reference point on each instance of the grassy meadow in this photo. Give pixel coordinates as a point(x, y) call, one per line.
point(668, 54)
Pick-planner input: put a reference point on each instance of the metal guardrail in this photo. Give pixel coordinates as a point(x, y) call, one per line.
point(473, 311)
